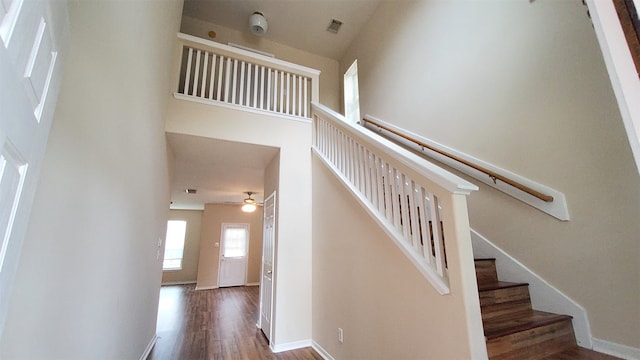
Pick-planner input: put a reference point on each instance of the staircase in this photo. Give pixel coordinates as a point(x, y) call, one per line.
point(513, 330)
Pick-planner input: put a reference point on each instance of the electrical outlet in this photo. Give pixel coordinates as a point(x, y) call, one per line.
point(340, 335)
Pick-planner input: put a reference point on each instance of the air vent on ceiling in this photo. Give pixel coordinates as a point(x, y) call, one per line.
point(334, 26)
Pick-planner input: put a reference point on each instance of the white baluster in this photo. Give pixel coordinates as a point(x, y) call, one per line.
point(204, 75)
point(415, 231)
point(220, 79)
point(436, 233)
point(306, 99)
point(227, 80)
point(250, 85)
point(299, 97)
point(380, 185)
point(280, 109)
point(212, 76)
point(353, 161)
point(269, 89)
point(288, 99)
point(196, 73)
point(424, 224)
point(363, 169)
point(373, 170)
point(262, 89)
point(235, 81)
point(241, 92)
point(293, 94)
point(367, 169)
point(187, 77)
point(275, 90)
point(388, 200)
point(395, 198)
point(255, 87)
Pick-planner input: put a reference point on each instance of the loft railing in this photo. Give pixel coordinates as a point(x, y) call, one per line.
point(220, 74)
point(421, 206)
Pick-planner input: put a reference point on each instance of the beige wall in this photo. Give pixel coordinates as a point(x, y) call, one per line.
point(88, 281)
point(521, 85)
point(292, 313)
point(330, 79)
point(213, 217)
point(189, 271)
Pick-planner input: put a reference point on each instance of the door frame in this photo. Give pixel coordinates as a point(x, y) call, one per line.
point(221, 252)
point(273, 263)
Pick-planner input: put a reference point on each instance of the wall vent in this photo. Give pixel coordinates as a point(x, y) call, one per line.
point(334, 26)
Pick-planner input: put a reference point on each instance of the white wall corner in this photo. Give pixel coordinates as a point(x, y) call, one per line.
point(613, 349)
point(544, 296)
point(320, 350)
point(276, 348)
point(150, 346)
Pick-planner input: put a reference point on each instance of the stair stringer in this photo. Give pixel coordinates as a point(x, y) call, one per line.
point(544, 296)
point(622, 71)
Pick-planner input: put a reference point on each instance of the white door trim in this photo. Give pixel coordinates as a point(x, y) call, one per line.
point(221, 259)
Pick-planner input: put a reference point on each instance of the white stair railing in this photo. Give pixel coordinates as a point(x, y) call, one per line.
point(222, 74)
point(420, 206)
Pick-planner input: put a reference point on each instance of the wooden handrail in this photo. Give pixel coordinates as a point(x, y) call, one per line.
point(493, 175)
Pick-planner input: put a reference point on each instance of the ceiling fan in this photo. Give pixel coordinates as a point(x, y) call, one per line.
point(249, 204)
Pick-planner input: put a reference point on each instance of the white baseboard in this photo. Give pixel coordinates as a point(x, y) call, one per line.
point(253, 284)
point(320, 350)
point(291, 346)
point(150, 346)
point(544, 296)
point(613, 349)
point(206, 287)
point(169, 283)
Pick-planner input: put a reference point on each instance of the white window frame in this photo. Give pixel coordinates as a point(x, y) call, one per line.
point(352, 94)
point(166, 244)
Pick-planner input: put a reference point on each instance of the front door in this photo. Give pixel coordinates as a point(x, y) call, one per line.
point(266, 284)
point(233, 255)
point(31, 35)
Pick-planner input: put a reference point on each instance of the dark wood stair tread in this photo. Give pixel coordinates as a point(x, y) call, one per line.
point(499, 285)
point(581, 354)
point(519, 321)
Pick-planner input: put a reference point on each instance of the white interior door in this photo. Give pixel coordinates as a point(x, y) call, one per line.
point(233, 255)
point(31, 35)
point(266, 283)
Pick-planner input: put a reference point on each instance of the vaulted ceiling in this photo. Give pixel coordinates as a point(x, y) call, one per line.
point(301, 24)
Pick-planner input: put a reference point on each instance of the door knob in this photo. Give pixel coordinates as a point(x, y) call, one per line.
point(269, 272)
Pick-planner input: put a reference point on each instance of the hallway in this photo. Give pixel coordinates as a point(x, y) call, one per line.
point(213, 324)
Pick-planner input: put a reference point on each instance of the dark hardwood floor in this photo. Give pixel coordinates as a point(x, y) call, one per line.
point(214, 324)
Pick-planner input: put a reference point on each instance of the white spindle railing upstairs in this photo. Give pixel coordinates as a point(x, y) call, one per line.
point(217, 73)
point(420, 206)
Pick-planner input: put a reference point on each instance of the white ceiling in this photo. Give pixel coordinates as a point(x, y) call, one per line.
point(301, 24)
point(221, 171)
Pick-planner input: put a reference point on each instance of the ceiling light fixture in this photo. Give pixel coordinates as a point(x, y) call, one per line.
point(249, 203)
point(258, 24)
